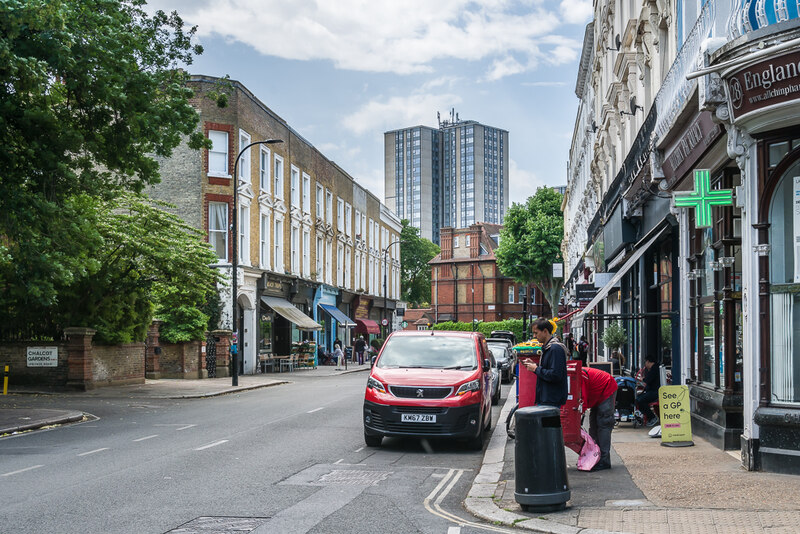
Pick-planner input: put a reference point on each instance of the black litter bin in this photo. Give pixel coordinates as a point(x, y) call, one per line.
point(539, 460)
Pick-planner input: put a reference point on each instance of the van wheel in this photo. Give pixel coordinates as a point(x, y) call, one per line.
point(372, 441)
point(476, 443)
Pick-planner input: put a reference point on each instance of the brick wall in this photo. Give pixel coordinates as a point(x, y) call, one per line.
point(15, 355)
point(116, 365)
point(181, 360)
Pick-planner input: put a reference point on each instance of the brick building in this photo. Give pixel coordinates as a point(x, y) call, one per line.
point(311, 239)
point(466, 283)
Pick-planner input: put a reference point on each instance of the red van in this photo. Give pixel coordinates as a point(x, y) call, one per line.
point(430, 383)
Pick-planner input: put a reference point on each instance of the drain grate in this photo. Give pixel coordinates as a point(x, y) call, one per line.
point(220, 525)
point(354, 477)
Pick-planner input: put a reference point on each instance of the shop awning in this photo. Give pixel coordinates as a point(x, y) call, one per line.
point(290, 312)
point(367, 326)
point(337, 314)
point(601, 294)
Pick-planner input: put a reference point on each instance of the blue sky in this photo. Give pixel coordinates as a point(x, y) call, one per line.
point(344, 72)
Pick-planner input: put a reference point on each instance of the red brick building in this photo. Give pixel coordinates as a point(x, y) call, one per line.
point(418, 318)
point(466, 283)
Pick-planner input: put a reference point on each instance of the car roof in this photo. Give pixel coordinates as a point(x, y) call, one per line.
point(504, 340)
point(434, 333)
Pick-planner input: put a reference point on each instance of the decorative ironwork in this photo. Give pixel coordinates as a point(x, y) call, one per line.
point(211, 356)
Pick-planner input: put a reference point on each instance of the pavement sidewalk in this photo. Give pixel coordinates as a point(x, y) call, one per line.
point(650, 489)
point(17, 416)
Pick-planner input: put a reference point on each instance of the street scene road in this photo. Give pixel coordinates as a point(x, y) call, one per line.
point(289, 458)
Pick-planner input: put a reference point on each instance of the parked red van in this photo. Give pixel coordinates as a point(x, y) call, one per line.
point(430, 383)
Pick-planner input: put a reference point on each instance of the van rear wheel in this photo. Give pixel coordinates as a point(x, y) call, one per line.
point(476, 443)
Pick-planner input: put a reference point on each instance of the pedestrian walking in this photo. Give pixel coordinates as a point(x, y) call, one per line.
point(360, 348)
point(599, 392)
point(551, 371)
point(583, 351)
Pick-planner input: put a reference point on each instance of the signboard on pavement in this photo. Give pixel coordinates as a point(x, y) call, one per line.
point(42, 356)
point(676, 418)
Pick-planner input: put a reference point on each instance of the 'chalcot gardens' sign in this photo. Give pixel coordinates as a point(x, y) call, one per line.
point(42, 356)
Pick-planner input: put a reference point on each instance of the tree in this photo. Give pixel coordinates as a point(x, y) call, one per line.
point(90, 95)
point(530, 242)
point(415, 253)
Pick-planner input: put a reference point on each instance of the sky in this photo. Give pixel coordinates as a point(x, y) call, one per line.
point(343, 72)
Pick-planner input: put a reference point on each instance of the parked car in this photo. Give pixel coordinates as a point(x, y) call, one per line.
point(500, 341)
point(508, 334)
point(430, 384)
point(495, 395)
point(506, 360)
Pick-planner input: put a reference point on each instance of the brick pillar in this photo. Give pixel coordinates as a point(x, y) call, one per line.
point(152, 352)
point(223, 352)
point(80, 357)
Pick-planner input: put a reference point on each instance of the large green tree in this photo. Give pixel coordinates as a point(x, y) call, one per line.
point(90, 94)
point(530, 243)
point(415, 253)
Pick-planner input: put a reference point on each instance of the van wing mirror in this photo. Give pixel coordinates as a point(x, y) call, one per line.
point(486, 365)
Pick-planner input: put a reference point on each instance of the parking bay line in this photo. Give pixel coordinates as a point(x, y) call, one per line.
point(220, 442)
point(92, 452)
point(317, 409)
point(21, 470)
point(146, 438)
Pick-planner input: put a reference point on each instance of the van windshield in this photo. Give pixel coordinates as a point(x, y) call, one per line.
point(429, 352)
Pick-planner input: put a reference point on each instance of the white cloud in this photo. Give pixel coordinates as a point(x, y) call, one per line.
point(522, 183)
point(576, 11)
point(544, 84)
point(400, 37)
point(383, 114)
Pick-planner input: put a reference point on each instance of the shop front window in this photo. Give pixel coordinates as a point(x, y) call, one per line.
point(265, 333)
point(784, 219)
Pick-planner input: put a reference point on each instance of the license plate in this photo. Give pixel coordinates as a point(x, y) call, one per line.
point(417, 418)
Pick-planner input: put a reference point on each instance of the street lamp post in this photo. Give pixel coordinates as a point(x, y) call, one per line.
point(235, 251)
point(525, 302)
point(386, 274)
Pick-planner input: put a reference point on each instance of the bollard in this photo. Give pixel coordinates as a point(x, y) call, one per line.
point(5, 381)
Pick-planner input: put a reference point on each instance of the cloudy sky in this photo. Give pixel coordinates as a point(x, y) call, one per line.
point(344, 72)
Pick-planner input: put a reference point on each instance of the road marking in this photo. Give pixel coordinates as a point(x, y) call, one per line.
point(359, 449)
point(220, 442)
point(92, 452)
point(21, 470)
point(147, 437)
point(452, 477)
point(454, 530)
point(316, 409)
point(184, 427)
point(340, 460)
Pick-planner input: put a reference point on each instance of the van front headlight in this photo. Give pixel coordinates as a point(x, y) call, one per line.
point(474, 385)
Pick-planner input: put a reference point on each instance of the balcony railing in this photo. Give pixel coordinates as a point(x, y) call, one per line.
point(676, 89)
point(750, 15)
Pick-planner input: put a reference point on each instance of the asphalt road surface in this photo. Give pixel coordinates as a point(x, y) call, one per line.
point(284, 459)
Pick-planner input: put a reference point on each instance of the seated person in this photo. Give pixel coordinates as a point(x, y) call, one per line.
point(652, 381)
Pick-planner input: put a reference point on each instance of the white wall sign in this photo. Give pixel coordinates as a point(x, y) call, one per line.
point(558, 270)
point(42, 356)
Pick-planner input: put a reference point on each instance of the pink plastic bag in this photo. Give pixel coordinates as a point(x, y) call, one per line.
point(590, 453)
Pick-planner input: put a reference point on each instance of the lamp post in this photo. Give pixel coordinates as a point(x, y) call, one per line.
point(235, 251)
point(386, 274)
point(525, 302)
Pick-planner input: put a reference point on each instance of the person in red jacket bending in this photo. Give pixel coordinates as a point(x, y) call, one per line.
point(599, 390)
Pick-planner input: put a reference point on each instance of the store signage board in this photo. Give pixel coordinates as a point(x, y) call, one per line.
point(558, 270)
point(585, 292)
point(42, 356)
point(773, 81)
point(676, 417)
point(703, 198)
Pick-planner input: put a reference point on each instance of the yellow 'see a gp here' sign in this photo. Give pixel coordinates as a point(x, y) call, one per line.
point(676, 417)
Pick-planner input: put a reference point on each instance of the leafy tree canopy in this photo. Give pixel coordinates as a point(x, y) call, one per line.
point(530, 242)
point(415, 277)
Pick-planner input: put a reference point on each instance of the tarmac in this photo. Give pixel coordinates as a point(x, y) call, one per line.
point(649, 489)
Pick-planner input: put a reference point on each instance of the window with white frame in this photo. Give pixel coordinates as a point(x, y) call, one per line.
point(348, 219)
point(295, 187)
point(306, 193)
point(278, 238)
point(348, 257)
point(357, 266)
point(339, 265)
point(371, 288)
point(455, 241)
point(466, 241)
point(320, 258)
point(340, 214)
point(294, 252)
point(371, 239)
point(358, 225)
point(328, 263)
point(306, 254)
point(265, 179)
point(278, 174)
point(511, 295)
point(263, 249)
point(363, 283)
point(244, 235)
point(244, 160)
point(329, 207)
point(218, 228)
point(364, 226)
point(320, 202)
point(218, 153)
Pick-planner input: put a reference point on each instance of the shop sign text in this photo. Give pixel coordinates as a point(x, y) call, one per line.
point(42, 356)
point(676, 417)
point(769, 82)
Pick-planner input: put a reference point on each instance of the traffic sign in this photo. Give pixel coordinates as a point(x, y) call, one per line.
point(405, 324)
point(385, 322)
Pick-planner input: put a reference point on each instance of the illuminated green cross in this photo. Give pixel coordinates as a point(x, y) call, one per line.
point(703, 197)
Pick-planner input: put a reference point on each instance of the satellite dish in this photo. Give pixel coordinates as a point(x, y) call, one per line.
point(634, 107)
point(617, 42)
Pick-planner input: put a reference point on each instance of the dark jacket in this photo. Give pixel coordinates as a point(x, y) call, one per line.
point(551, 375)
point(652, 378)
point(361, 345)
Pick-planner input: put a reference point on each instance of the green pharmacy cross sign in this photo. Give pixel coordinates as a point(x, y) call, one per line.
point(703, 197)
